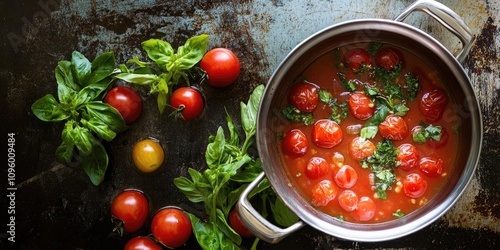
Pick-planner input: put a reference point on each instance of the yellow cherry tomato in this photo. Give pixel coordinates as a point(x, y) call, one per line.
point(148, 155)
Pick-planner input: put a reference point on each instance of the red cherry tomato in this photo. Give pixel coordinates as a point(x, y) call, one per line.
point(366, 209)
point(171, 227)
point(361, 106)
point(361, 148)
point(222, 67)
point(393, 128)
point(130, 208)
point(305, 96)
point(414, 185)
point(348, 200)
point(443, 140)
point(431, 166)
point(432, 104)
point(142, 243)
point(326, 133)
point(188, 102)
point(126, 101)
point(323, 192)
point(295, 143)
point(407, 156)
point(237, 225)
point(316, 167)
point(356, 58)
point(388, 58)
point(346, 177)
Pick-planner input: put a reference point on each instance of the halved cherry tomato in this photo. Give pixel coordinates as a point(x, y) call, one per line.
point(148, 155)
point(361, 106)
point(388, 58)
point(130, 210)
point(316, 167)
point(443, 140)
point(366, 209)
point(431, 166)
point(407, 156)
point(393, 128)
point(171, 227)
point(414, 185)
point(356, 58)
point(360, 148)
point(237, 225)
point(323, 192)
point(222, 67)
point(305, 96)
point(432, 104)
point(348, 200)
point(295, 143)
point(142, 243)
point(188, 102)
point(326, 133)
point(126, 101)
point(346, 177)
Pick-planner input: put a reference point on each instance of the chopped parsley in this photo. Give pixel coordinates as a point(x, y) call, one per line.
point(347, 85)
point(398, 214)
point(427, 132)
point(295, 115)
point(339, 110)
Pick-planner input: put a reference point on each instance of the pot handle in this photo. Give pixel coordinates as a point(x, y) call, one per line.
point(257, 224)
point(448, 18)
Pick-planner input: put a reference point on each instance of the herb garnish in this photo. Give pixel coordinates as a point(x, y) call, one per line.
point(339, 110)
point(293, 114)
point(427, 132)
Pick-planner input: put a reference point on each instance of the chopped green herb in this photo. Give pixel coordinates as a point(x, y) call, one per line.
point(427, 132)
point(295, 115)
point(339, 110)
point(347, 85)
point(398, 214)
point(374, 47)
point(413, 85)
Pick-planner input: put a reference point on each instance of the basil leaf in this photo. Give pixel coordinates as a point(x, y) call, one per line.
point(161, 101)
point(107, 114)
point(95, 163)
point(215, 149)
point(49, 110)
point(233, 132)
point(83, 139)
point(102, 67)
point(80, 67)
point(65, 95)
point(191, 52)
point(142, 79)
point(413, 84)
point(379, 116)
point(100, 128)
point(369, 132)
point(282, 214)
point(226, 229)
point(249, 111)
point(64, 76)
point(159, 51)
point(64, 152)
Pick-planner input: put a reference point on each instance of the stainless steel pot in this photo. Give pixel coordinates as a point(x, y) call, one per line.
point(368, 30)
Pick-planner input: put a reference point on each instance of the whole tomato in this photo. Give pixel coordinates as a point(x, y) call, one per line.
point(188, 103)
point(361, 148)
point(407, 156)
point(432, 104)
point(305, 96)
point(356, 58)
point(393, 128)
point(148, 155)
point(323, 192)
point(126, 101)
point(237, 225)
point(316, 167)
point(388, 58)
point(326, 133)
point(414, 185)
point(295, 143)
point(222, 67)
point(361, 106)
point(141, 243)
point(129, 210)
point(171, 227)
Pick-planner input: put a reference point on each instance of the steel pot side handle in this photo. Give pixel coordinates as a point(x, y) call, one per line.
point(257, 224)
point(448, 18)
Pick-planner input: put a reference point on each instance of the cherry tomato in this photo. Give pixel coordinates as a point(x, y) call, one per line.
point(295, 143)
point(432, 104)
point(407, 156)
point(323, 192)
point(414, 186)
point(361, 106)
point(188, 102)
point(346, 177)
point(360, 148)
point(326, 133)
point(431, 166)
point(126, 101)
point(443, 140)
point(130, 209)
point(348, 200)
point(171, 227)
point(237, 225)
point(366, 209)
point(142, 243)
point(148, 155)
point(388, 58)
point(317, 167)
point(356, 58)
point(393, 128)
point(222, 67)
point(305, 96)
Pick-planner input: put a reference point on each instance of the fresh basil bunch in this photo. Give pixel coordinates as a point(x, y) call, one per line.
point(80, 86)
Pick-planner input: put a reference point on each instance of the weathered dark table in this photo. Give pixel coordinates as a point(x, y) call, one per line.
point(56, 206)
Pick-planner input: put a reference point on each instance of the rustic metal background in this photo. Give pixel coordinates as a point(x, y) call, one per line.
point(58, 208)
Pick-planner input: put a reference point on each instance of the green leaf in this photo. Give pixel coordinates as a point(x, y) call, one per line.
point(81, 67)
point(93, 90)
point(64, 76)
point(102, 67)
point(207, 237)
point(162, 101)
point(95, 163)
point(249, 111)
point(106, 114)
point(233, 132)
point(159, 51)
point(413, 85)
point(295, 115)
point(100, 128)
point(141, 79)
point(83, 139)
point(191, 52)
point(379, 116)
point(64, 152)
point(282, 214)
point(48, 109)
point(224, 227)
point(369, 132)
point(347, 85)
point(215, 149)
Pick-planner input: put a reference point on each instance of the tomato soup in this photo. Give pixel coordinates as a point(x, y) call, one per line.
point(369, 133)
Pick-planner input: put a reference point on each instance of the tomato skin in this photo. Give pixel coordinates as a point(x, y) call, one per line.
point(355, 58)
point(316, 167)
point(407, 157)
point(295, 143)
point(305, 96)
point(388, 58)
point(131, 207)
point(148, 155)
point(361, 148)
point(346, 177)
point(236, 224)
point(323, 192)
point(432, 105)
point(414, 186)
point(366, 209)
point(326, 133)
point(361, 106)
point(222, 67)
point(126, 101)
point(348, 200)
point(393, 128)
point(171, 227)
point(141, 243)
point(431, 166)
point(188, 102)
point(439, 144)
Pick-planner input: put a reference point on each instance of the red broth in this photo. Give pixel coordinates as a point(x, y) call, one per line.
point(324, 73)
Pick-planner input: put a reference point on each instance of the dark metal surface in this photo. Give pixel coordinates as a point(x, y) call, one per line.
point(56, 206)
